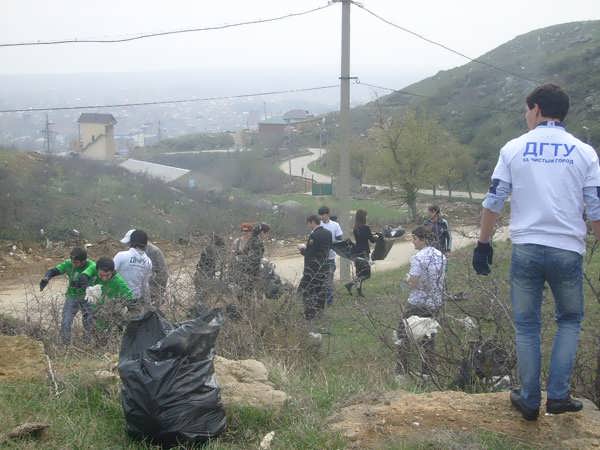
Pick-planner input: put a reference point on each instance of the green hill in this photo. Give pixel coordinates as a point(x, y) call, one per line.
point(484, 106)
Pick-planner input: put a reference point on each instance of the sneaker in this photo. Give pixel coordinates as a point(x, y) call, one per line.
point(562, 406)
point(360, 292)
point(348, 287)
point(517, 402)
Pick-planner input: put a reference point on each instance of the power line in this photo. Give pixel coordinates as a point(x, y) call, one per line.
point(413, 94)
point(164, 33)
point(166, 102)
point(400, 91)
point(445, 47)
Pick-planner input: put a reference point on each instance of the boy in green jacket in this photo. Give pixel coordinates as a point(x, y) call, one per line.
point(79, 270)
point(114, 296)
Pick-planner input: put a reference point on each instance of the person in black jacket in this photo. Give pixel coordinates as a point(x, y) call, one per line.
point(440, 230)
point(316, 269)
point(361, 252)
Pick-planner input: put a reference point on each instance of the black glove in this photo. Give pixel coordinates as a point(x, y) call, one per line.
point(81, 282)
point(482, 258)
point(43, 283)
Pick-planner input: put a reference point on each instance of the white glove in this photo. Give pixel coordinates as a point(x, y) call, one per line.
point(93, 293)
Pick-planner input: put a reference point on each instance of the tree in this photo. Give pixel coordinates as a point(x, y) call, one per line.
point(359, 157)
point(458, 166)
point(406, 152)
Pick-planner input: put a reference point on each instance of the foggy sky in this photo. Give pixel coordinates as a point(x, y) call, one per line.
point(305, 44)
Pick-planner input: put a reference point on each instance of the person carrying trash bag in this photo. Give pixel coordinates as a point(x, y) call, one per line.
point(361, 252)
point(170, 395)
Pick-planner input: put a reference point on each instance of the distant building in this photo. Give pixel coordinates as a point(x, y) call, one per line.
point(275, 132)
point(97, 136)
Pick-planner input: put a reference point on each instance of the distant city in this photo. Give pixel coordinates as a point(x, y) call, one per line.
point(145, 125)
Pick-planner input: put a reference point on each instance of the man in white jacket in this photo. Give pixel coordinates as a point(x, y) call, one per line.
point(136, 267)
point(160, 270)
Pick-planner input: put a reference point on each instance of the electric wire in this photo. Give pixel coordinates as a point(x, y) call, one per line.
point(445, 47)
point(165, 102)
point(413, 94)
point(164, 33)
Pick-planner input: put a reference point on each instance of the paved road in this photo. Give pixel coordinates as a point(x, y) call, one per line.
point(300, 162)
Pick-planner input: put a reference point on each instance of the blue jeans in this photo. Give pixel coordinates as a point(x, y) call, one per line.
point(71, 307)
point(330, 281)
point(531, 266)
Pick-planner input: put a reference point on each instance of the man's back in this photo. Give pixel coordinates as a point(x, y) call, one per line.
point(136, 268)
point(548, 169)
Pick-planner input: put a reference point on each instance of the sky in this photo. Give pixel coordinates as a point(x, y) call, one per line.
point(303, 45)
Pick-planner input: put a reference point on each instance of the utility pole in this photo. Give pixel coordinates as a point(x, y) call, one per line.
point(159, 134)
point(47, 133)
point(343, 188)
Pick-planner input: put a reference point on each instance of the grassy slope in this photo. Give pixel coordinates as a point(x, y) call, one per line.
point(352, 362)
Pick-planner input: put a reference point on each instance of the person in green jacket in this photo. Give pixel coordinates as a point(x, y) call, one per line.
point(115, 294)
point(79, 270)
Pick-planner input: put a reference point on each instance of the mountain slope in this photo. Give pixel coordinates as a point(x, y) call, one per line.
point(484, 106)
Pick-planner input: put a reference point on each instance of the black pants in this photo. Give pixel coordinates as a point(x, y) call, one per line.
point(427, 346)
point(314, 293)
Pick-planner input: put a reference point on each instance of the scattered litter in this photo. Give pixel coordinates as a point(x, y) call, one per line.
point(265, 444)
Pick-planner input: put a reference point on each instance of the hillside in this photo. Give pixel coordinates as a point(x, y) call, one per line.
point(484, 106)
point(99, 199)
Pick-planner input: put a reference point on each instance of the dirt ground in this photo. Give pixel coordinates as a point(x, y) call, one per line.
point(370, 422)
point(21, 358)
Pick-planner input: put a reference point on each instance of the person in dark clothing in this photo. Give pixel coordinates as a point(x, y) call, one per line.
point(361, 252)
point(314, 282)
point(249, 251)
point(439, 229)
point(209, 265)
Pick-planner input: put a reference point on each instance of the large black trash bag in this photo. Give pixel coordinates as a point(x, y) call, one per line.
point(170, 395)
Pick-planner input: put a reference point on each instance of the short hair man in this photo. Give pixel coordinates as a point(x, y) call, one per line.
point(135, 266)
point(336, 236)
point(79, 270)
point(115, 294)
point(313, 284)
point(160, 270)
point(553, 177)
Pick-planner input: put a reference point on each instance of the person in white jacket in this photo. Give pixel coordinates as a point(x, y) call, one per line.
point(135, 267)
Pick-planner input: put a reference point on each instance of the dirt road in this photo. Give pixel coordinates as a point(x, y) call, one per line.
point(295, 166)
point(290, 268)
point(21, 296)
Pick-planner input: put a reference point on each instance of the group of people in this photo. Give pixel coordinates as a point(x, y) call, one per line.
point(554, 181)
point(134, 278)
point(317, 283)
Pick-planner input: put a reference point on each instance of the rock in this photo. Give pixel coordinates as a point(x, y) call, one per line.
point(22, 358)
point(457, 412)
point(30, 429)
point(247, 383)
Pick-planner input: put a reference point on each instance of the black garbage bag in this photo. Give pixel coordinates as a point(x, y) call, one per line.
point(169, 394)
point(344, 249)
point(382, 248)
